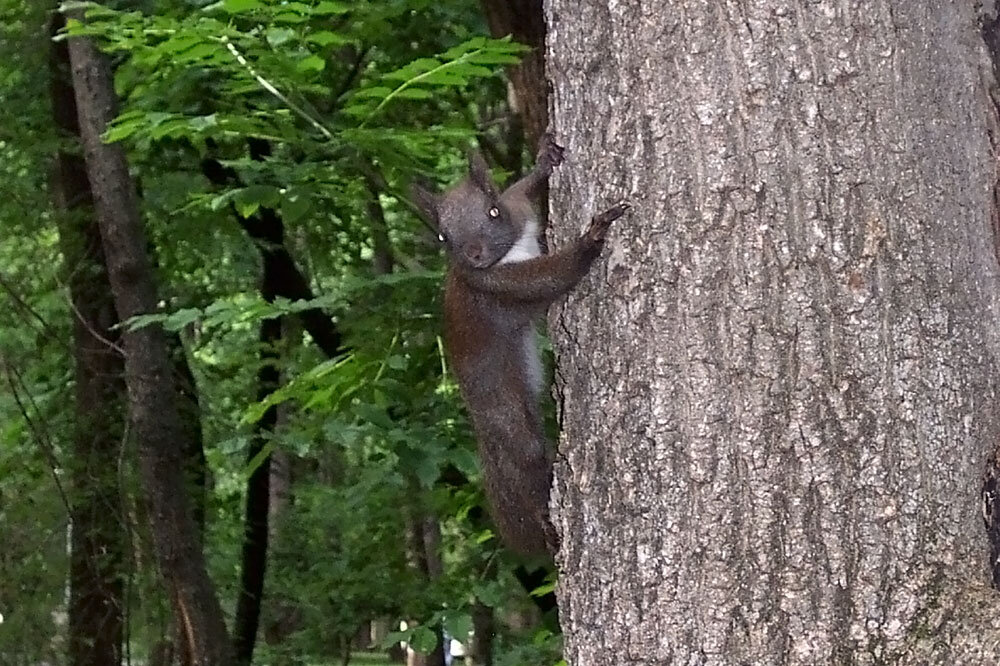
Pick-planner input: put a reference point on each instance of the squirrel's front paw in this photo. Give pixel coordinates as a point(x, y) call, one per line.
point(550, 153)
point(599, 224)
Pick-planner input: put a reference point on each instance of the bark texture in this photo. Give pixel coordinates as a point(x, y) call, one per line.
point(153, 408)
point(779, 388)
point(97, 544)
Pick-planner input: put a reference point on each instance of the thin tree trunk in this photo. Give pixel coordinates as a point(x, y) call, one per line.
point(423, 540)
point(382, 255)
point(480, 651)
point(152, 393)
point(257, 513)
point(289, 282)
point(779, 385)
point(97, 543)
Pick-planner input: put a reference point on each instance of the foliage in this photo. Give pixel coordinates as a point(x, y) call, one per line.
point(322, 111)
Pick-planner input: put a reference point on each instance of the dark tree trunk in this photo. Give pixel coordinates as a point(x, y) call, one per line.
point(483, 632)
point(148, 374)
point(382, 256)
point(780, 383)
point(98, 543)
point(423, 540)
point(195, 464)
point(280, 278)
point(257, 513)
point(524, 20)
point(286, 279)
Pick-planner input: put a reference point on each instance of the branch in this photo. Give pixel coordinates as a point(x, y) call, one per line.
point(17, 386)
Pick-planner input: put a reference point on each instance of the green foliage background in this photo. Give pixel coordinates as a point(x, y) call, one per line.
point(346, 93)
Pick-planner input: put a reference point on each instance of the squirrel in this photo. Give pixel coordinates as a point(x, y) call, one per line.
point(498, 285)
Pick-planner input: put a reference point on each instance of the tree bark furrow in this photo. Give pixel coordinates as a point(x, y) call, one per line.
point(776, 456)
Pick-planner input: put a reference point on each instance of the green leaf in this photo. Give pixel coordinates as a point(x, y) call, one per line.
point(258, 459)
point(201, 123)
point(278, 36)
point(465, 461)
point(490, 594)
point(375, 91)
point(118, 130)
point(311, 63)
point(240, 6)
point(178, 320)
point(458, 625)
point(396, 362)
point(394, 637)
point(295, 207)
point(325, 38)
point(427, 471)
point(374, 415)
point(290, 17)
point(543, 589)
point(329, 7)
point(415, 93)
point(456, 67)
point(247, 208)
point(423, 640)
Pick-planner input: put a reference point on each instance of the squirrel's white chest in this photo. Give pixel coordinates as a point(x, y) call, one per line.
point(526, 246)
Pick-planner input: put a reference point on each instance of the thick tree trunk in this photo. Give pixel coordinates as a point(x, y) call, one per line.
point(524, 20)
point(193, 450)
point(97, 544)
point(152, 393)
point(779, 385)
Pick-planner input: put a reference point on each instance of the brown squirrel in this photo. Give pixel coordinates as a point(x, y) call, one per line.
point(498, 284)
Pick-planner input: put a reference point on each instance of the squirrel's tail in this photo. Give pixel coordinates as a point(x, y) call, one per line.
point(517, 475)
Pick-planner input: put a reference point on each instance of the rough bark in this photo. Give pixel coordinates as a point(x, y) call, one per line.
point(153, 408)
point(779, 386)
point(524, 20)
point(97, 543)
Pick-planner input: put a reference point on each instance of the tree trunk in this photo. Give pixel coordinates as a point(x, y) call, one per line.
point(152, 393)
point(193, 450)
point(524, 20)
point(779, 384)
point(256, 530)
point(480, 650)
point(97, 542)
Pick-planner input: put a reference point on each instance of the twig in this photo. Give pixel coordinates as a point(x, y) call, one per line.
point(44, 443)
point(23, 305)
point(90, 329)
point(269, 87)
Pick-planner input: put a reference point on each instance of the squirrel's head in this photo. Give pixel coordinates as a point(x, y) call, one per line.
point(470, 219)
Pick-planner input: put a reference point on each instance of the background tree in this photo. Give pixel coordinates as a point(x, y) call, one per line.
point(352, 100)
point(776, 457)
point(98, 533)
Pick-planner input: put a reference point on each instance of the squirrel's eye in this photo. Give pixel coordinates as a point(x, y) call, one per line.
point(441, 237)
point(494, 212)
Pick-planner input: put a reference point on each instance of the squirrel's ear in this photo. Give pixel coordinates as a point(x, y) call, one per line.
point(426, 202)
point(479, 172)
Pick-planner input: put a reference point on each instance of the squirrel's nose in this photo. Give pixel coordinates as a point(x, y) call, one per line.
point(474, 252)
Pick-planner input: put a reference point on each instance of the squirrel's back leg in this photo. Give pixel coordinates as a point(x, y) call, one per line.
point(517, 478)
